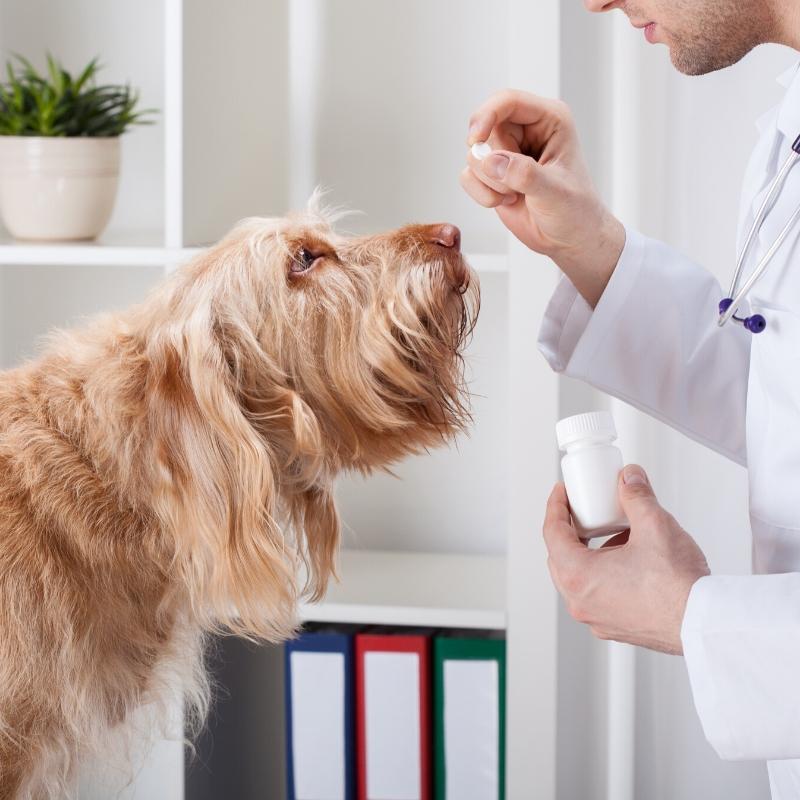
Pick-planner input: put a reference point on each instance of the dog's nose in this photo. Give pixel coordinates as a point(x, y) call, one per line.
point(445, 235)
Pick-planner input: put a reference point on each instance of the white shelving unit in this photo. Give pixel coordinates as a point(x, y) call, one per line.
point(259, 102)
point(447, 591)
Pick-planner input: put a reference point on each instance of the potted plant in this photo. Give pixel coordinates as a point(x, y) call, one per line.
point(59, 150)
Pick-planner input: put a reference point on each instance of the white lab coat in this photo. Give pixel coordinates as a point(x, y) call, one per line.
point(654, 342)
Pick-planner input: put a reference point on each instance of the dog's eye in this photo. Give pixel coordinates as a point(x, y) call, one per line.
point(304, 260)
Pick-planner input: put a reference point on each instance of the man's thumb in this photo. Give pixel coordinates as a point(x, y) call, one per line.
point(635, 493)
point(518, 172)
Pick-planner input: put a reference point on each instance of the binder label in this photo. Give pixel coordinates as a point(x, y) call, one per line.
point(392, 691)
point(318, 730)
point(471, 729)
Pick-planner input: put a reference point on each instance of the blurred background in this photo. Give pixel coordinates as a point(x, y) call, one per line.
point(261, 100)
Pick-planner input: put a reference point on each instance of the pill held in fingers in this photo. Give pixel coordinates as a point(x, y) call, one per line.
point(480, 150)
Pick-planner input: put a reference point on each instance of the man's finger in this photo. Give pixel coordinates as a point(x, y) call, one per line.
point(479, 191)
point(507, 171)
point(557, 509)
point(521, 108)
point(636, 496)
point(560, 535)
point(476, 167)
point(617, 540)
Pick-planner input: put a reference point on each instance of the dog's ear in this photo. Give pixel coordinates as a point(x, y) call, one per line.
point(312, 509)
point(215, 488)
point(315, 514)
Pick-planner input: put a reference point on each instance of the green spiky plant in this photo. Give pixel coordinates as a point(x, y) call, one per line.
point(58, 104)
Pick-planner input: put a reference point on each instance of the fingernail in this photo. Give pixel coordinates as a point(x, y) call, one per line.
point(473, 132)
point(510, 199)
point(495, 166)
point(634, 476)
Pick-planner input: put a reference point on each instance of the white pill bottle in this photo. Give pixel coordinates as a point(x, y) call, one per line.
point(591, 470)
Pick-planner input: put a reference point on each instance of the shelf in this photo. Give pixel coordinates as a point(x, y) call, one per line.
point(120, 249)
point(415, 589)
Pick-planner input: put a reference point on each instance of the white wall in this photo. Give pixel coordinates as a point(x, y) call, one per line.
point(396, 85)
point(392, 98)
point(698, 133)
point(35, 299)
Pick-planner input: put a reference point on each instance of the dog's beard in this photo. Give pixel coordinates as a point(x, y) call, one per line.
point(406, 358)
point(432, 344)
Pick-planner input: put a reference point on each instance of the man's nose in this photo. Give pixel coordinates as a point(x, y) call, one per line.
point(598, 6)
point(445, 235)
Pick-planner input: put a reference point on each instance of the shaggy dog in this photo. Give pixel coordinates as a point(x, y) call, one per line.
point(165, 471)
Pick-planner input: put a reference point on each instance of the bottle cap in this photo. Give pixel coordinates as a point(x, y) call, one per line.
point(593, 425)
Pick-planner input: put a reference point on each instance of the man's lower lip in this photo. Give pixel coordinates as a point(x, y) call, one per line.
point(650, 32)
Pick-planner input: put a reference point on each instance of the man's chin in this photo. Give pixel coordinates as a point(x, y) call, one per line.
point(687, 67)
point(694, 63)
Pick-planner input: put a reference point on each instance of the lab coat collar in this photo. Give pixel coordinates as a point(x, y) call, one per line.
point(787, 76)
point(788, 121)
point(768, 118)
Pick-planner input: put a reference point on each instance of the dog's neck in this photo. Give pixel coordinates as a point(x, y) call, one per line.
point(88, 389)
point(72, 439)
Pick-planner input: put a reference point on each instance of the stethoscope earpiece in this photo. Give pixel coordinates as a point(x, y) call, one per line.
point(754, 324)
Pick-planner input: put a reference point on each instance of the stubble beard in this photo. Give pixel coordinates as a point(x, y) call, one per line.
point(708, 35)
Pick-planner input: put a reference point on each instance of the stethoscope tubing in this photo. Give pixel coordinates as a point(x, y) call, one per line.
point(764, 208)
point(778, 182)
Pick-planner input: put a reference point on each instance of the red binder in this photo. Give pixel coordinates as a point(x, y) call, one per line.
point(393, 717)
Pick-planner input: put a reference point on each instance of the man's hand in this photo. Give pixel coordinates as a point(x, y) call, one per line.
point(539, 185)
point(633, 589)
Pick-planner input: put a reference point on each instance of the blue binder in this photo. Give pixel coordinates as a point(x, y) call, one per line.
point(319, 717)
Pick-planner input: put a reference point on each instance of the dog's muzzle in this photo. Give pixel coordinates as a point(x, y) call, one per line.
point(447, 239)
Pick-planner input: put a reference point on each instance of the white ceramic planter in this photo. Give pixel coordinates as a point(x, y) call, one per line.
point(57, 187)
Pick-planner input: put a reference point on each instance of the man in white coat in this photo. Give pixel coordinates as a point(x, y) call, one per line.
point(639, 321)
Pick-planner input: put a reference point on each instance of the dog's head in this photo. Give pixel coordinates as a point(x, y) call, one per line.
point(298, 352)
point(362, 334)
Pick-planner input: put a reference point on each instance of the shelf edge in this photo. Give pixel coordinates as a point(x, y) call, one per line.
point(409, 616)
point(93, 255)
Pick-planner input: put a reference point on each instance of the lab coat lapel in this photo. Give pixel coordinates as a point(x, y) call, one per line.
point(787, 126)
point(763, 161)
point(760, 171)
point(778, 127)
point(788, 121)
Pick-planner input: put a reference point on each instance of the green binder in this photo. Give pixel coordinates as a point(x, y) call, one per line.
point(469, 686)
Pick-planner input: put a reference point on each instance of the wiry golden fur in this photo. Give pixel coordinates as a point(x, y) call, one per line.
point(164, 471)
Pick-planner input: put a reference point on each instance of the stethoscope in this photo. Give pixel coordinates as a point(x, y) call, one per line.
point(728, 306)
